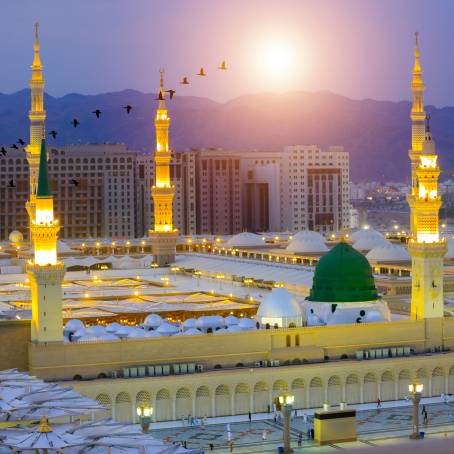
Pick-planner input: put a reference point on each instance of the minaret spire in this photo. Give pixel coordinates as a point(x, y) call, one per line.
point(163, 236)
point(45, 271)
point(426, 247)
point(37, 117)
point(418, 127)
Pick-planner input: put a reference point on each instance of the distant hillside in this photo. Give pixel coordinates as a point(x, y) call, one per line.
point(376, 133)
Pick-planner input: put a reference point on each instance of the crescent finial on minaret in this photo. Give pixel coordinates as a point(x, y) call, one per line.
point(417, 39)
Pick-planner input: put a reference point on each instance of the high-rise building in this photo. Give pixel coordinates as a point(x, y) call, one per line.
point(163, 236)
point(426, 247)
point(100, 191)
point(224, 192)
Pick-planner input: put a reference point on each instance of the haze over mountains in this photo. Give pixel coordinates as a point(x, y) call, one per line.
point(376, 133)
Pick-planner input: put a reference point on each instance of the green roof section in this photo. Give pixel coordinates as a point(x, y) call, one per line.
point(343, 275)
point(43, 177)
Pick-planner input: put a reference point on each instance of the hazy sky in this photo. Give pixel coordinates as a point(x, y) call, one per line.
point(358, 48)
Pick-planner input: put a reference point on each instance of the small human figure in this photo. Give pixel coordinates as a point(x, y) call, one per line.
point(426, 417)
point(312, 434)
point(275, 417)
point(378, 403)
point(300, 438)
point(211, 445)
point(264, 434)
point(250, 417)
point(231, 446)
point(296, 413)
point(268, 409)
point(305, 418)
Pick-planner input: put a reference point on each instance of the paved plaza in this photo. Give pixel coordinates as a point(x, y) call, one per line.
point(390, 424)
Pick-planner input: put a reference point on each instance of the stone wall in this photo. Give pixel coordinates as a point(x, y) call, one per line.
point(14, 340)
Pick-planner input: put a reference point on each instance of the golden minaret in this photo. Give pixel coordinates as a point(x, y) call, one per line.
point(163, 236)
point(417, 116)
point(45, 272)
point(37, 116)
point(426, 247)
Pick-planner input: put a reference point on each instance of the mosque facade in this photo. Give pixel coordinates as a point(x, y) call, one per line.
point(358, 360)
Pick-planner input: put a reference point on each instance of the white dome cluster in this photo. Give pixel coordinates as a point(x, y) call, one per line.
point(307, 246)
point(155, 326)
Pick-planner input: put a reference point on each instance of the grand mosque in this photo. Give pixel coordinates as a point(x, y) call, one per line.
point(222, 326)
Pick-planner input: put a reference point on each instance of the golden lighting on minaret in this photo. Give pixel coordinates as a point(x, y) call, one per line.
point(163, 236)
point(162, 191)
point(37, 117)
point(44, 228)
point(45, 272)
point(426, 247)
point(417, 116)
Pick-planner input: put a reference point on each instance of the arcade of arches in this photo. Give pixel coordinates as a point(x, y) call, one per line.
point(237, 392)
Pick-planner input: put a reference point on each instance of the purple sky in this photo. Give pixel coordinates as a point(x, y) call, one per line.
point(358, 48)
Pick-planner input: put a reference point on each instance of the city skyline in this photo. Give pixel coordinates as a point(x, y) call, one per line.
point(290, 46)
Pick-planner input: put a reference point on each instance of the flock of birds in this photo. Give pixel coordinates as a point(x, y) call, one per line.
point(98, 112)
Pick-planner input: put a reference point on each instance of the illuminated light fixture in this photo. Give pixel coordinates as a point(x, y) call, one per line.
point(287, 399)
point(415, 388)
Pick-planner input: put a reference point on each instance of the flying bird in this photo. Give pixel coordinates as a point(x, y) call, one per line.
point(14, 146)
point(3, 151)
point(21, 142)
point(97, 112)
point(223, 66)
point(201, 72)
point(184, 81)
point(53, 134)
point(75, 183)
point(171, 93)
point(11, 184)
point(75, 122)
point(128, 108)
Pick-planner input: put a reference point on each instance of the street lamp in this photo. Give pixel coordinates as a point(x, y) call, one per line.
point(144, 412)
point(286, 401)
point(415, 391)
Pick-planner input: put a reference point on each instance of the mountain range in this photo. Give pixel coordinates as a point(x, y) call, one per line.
point(375, 133)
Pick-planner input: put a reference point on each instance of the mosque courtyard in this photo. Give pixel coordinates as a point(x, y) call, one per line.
point(389, 425)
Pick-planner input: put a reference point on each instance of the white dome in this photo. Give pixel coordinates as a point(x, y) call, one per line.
point(231, 320)
point(388, 253)
point(152, 321)
point(113, 327)
point(73, 325)
point(124, 331)
point(308, 235)
point(16, 237)
point(279, 303)
point(210, 321)
point(137, 333)
point(365, 234)
point(166, 329)
point(306, 246)
point(79, 333)
point(247, 323)
point(245, 239)
point(191, 332)
point(152, 334)
point(190, 323)
point(96, 329)
point(367, 244)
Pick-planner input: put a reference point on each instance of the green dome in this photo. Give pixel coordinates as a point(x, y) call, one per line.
point(343, 276)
